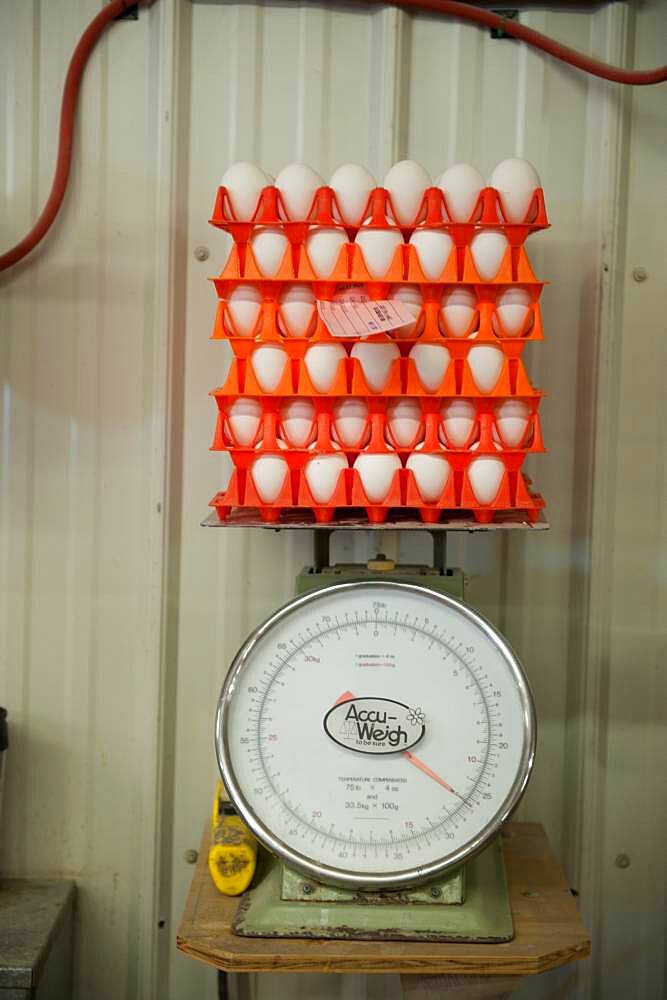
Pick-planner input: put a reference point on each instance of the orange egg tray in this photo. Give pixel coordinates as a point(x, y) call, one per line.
point(403, 378)
point(513, 496)
point(430, 325)
point(379, 213)
point(350, 266)
point(377, 436)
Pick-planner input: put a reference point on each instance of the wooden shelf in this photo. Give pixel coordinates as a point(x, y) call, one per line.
point(549, 931)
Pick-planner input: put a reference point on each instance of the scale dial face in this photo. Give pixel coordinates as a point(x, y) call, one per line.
point(375, 734)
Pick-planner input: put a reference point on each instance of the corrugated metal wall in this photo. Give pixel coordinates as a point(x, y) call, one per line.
point(119, 614)
point(81, 476)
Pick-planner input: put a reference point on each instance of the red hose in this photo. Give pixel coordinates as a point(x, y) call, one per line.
point(451, 7)
point(65, 139)
point(638, 77)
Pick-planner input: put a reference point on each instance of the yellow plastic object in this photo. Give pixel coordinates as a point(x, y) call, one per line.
point(232, 856)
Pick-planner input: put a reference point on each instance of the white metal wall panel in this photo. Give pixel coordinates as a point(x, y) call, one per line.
point(78, 467)
point(109, 322)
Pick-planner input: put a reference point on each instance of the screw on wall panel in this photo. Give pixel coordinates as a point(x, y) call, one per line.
point(622, 860)
point(307, 889)
point(530, 893)
point(191, 856)
point(639, 274)
point(201, 253)
point(507, 15)
point(436, 891)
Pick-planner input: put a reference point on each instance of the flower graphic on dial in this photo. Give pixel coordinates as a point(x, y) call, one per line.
point(416, 716)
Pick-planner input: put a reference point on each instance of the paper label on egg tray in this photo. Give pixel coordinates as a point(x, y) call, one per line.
point(357, 316)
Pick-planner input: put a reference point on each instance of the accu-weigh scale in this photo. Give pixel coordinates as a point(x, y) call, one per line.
point(374, 734)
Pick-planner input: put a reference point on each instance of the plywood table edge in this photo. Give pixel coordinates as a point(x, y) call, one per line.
point(212, 942)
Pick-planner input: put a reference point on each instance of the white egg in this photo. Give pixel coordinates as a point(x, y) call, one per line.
point(243, 418)
point(512, 420)
point(433, 247)
point(322, 472)
point(297, 310)
point(411, 297)
point(322, 361)
point(297, 422)
point(376, 471)
point(457, 420)
point(268, 474)
point(378, 247)
point(431, 362)
point(323, 246)
point(269, 245)
point(462, 185)
point(485, 364)
point(431, 473)
point(297, 184)
point(352, 186)
point(376, 361)
point(485, 474)
point(244, 183)
point(268, 362)
point(406, 183)
point(512, 307)
point(350, 422)
point(244, 304)
point(515, 181)
point(488, 249)
point(404, 420)
point(457, 310)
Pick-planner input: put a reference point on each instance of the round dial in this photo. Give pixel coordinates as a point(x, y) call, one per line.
point(375, 734)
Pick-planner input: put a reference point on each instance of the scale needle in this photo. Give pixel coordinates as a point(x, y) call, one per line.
point(424, 768)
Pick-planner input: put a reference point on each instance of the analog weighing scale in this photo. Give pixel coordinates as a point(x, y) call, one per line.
point(374, 734)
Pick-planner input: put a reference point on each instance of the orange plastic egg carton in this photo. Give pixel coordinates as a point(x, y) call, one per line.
point(404, 268)
point(403, 378)
point(513, 497)
point(433, 213)
point(273, 436)
point(430, 325)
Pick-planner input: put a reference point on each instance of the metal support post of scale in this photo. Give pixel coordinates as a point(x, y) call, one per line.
point(322, 549)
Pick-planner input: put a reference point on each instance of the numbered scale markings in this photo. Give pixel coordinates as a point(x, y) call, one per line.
point(375, 734)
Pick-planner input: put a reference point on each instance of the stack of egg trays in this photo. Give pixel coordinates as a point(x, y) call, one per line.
point(514, 495)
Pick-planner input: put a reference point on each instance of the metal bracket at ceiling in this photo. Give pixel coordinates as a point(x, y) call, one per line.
point(129, 14)
point(507, 15)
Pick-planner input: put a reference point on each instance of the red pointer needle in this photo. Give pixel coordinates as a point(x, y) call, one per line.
point(424, 768)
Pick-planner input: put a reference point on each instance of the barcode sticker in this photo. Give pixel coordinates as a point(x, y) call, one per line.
point(354, 316)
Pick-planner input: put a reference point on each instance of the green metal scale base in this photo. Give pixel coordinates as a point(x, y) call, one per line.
point(470, 905)
point(481, 913)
